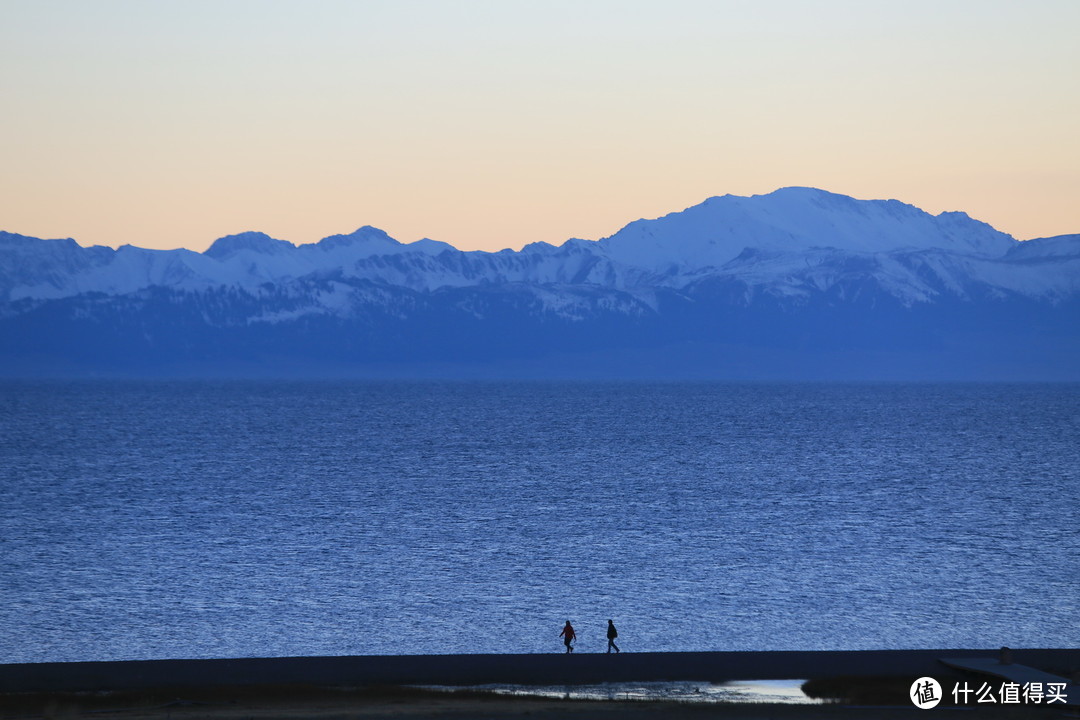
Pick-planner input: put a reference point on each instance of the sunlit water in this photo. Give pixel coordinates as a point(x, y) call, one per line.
point(161, 520)
point(783, 692)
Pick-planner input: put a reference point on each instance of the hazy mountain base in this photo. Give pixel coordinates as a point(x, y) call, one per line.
point(800, 284)
point(490, 333)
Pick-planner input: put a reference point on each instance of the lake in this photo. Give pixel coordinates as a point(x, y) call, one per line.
point(236, 519)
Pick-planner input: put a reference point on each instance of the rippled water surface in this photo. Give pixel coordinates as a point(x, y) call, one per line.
point(155, 520)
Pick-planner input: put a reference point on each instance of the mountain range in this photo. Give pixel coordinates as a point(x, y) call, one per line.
point(798, 284)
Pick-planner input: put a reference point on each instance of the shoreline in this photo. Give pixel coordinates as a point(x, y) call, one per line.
point(476, 670)
point(872, 683)
point(283, 702)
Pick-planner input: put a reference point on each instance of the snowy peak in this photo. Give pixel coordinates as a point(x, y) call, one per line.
point(1060, 246)
point(430, 247)
point(13, 244)
point(13, 240)
point(257, 242)
point(46, 266)
point(370, 237)
point(795, 220)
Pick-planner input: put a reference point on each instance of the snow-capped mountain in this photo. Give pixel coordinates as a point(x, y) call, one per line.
point(736, 272)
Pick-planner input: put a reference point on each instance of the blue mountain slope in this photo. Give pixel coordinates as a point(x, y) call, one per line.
point(798, 284)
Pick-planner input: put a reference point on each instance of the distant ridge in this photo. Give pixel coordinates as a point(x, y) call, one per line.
point(225, 247)
point(798, 283)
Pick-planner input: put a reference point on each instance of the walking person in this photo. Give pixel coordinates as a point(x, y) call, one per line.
point(568, 635)
point(612, 633)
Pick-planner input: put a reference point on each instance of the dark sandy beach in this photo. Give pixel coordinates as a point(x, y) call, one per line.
point(549, 669)
point(857, 684)
point(297, 703)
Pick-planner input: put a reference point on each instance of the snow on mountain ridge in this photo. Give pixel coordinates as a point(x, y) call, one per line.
point(371, 239)
point(262, 243)
point(1062, 246)
point(46, 266)
point(795, 219)
point(766, 240)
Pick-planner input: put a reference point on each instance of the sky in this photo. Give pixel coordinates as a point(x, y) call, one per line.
point(490, 124)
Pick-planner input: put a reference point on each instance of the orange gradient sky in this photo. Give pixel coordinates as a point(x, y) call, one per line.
point(492, 124)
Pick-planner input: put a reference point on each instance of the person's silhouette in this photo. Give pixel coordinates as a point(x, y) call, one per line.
point(568, 635)
point(612, 633)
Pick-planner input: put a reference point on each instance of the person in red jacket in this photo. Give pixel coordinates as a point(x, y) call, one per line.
point(568, 635)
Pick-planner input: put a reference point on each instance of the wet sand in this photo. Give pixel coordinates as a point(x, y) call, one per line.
point(472, 670)
point(375, 687)
point(299, 703)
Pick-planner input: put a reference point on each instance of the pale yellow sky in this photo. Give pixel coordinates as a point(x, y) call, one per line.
point(492, 124)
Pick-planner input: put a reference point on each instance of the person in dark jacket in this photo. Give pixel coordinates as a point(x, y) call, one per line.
point(568, 635)
point(612, 633)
